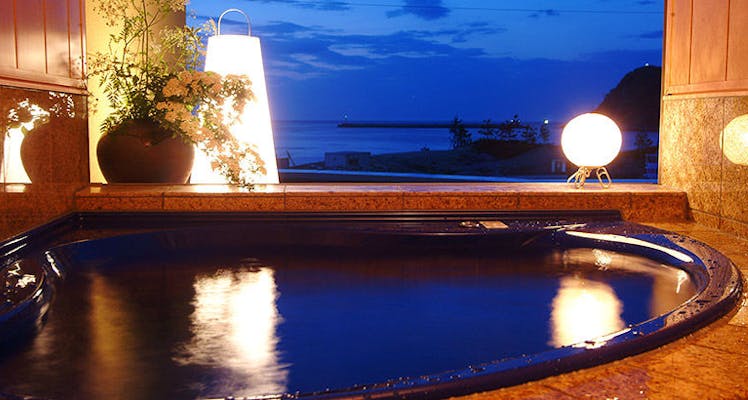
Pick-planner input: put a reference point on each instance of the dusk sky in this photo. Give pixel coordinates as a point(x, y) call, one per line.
point(430, 60)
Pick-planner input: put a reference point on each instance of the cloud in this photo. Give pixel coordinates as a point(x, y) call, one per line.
point(424, 9)
point(545, 13)
point(300, 52)
point(324, 5)
point(290, 30)
point(460, 35)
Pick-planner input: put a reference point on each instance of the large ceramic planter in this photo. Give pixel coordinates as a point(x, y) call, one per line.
point(142, 152)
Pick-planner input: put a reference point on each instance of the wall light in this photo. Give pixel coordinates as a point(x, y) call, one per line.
point(734, 141)
point(591, 141)
point(241, 55)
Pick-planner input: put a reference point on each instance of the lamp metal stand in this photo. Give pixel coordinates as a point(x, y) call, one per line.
point(580, 177)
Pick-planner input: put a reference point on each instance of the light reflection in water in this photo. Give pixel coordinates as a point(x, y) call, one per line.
point(607, 237)
point(233, 327)
point(583, 310)
point(112, 342)
point(671, 286)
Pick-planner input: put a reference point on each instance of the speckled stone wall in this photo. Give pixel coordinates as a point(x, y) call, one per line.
point(53, 153)
point(692, 158)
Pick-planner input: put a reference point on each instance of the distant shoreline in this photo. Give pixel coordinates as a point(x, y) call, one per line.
point(411, 125)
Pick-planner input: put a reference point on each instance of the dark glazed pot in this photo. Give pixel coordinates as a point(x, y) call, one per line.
point(143, 152)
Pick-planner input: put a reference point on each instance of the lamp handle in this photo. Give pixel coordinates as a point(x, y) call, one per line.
point(249, 28)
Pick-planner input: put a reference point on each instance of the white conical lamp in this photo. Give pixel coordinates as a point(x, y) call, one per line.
point(241, 55)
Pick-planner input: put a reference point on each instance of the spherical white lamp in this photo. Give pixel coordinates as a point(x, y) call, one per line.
point(591, 141)
point(734, 141)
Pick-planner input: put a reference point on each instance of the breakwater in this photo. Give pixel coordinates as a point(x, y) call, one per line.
point(413, 125)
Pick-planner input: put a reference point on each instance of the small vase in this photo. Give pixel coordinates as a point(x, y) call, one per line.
point(141, 151)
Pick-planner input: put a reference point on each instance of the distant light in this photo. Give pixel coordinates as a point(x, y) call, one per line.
point(545, 121)
point(591, 141)
point(646, 64)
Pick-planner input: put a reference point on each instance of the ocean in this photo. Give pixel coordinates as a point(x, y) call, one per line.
point(308, 141)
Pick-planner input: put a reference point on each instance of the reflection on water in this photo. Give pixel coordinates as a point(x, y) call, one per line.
point(110, 320)
point(587, 307)
point(607, 237)
point(582, 310)
point(182, 329)
point(233, 327)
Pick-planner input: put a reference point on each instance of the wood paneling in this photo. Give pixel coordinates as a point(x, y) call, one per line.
point(77, 38)
point(709, 41)
point(737, 49)
point(30, 36)
point(7, 35)
point(706, 47)
point(678, 54)
point(42, 44)
point(58, 44)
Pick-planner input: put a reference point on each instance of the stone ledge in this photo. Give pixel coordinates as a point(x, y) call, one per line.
point(636, 202)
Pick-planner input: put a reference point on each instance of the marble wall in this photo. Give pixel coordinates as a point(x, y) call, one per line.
point(43, 155)
point(694, 157)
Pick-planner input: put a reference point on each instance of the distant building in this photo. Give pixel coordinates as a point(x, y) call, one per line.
point(354, 160)
point(558, 166)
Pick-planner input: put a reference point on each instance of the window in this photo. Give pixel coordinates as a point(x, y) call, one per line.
point(451, 89)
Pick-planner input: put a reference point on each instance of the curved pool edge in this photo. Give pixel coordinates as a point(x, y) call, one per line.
point(720, 292)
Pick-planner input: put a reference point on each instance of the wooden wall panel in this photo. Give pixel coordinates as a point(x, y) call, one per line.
point(42, 44)
point(7, 36)
point(737, 49)
point(58, 43)
point(709, 41)
point(30, 36)
point(77, 38)
point(678, 40)
point(706, 48)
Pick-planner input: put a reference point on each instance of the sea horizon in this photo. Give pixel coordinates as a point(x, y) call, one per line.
point(307, 141)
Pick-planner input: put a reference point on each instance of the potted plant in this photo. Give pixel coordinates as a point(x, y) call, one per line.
point(162, 105)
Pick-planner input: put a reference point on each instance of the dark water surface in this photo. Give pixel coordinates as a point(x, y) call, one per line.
point(265, 323)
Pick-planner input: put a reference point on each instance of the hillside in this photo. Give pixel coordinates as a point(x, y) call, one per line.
point(635, 102)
